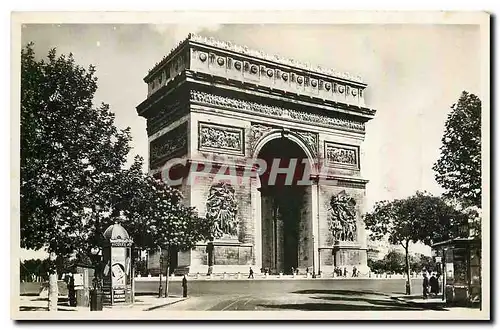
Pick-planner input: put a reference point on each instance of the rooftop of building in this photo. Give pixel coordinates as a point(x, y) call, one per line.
point(229, 46)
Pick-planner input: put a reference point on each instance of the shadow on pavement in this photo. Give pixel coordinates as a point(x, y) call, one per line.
point(341, 292)
point(341, 307)
point(32, 309)
point(333, 300)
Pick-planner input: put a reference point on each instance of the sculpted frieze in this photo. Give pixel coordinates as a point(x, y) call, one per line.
point(273, 111)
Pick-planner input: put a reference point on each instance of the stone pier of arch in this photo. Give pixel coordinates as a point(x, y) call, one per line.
point(210, 103)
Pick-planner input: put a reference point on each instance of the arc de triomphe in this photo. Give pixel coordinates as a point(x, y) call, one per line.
point(219, 104)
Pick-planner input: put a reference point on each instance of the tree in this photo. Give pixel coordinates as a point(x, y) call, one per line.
point(418, 218)
point(394, 262)
point(421, 262)
point(157, 218)
point(74, 180)
point(458, 169)
point(68, 148)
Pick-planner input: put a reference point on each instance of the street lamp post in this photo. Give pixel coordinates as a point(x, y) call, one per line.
point(444, 273)
point(96, 294)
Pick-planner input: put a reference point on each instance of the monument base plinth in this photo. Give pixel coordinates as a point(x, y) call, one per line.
point(344, 255)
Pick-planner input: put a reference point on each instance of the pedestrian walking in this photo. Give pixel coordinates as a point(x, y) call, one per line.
point(345, 272)
point(425, 285)
point(434, 284)
point(354, 271)
point(250, 273)
point(184, 287)
point(71, 290)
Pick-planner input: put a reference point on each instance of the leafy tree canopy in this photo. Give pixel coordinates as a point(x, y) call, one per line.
point(418, 218)
point(458, 169)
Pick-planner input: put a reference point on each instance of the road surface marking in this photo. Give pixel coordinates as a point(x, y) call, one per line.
point(231, 304)
point(246, 302)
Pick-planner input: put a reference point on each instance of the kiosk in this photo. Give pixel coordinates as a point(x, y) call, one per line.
point(117, 270)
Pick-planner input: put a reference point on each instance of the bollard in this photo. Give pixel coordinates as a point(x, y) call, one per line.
point(239, 275)
point(197, 275)
point(224, 276)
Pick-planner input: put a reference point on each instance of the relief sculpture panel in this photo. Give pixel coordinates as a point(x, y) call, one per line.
point(222, 211)
point(218, 138)
point(342, 220)
point(168, 145)
point(339, 155)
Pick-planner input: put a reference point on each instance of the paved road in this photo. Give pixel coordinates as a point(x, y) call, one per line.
point(305, 295)
point(241, 287)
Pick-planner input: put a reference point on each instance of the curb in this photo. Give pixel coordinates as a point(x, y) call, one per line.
point(164, 304)
point(441, 305)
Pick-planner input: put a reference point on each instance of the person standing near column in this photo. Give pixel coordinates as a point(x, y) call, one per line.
point(184, 286)
point(425, 285)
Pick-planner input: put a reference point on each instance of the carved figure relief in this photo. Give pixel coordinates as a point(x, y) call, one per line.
point(342, 222)
point(257, 132)
point(220, 137)
point(222, 210)
point(311, 140)
point(341, 155)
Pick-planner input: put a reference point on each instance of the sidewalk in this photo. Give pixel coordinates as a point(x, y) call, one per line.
point(417, 300)
point(142, 303)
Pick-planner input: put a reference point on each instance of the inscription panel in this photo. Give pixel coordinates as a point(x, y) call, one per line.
point(220, 139)
point(341, 155)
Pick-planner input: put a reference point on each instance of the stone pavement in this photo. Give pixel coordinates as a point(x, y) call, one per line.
point(142, 303)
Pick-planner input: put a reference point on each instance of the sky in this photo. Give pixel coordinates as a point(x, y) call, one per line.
point(415, 73)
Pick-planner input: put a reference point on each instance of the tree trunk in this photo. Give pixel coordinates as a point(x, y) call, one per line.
point(168, 272)
point(53, 291)
point(408, 279)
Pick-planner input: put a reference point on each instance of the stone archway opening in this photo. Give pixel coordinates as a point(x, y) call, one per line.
point(285, 207)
